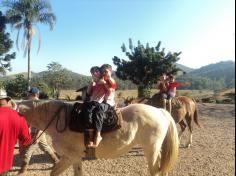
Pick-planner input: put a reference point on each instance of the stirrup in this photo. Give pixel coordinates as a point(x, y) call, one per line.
point(88, 136)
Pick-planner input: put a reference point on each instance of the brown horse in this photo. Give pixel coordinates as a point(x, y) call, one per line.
point(182, 108)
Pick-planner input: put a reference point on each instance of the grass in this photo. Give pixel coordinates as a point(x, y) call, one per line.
point(207, 96)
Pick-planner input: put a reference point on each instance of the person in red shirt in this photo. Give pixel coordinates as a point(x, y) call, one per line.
point(171, 90)
point(108, 102)
point(13, 127)
point(101, 94)
point(163, 86)
point(96, 92)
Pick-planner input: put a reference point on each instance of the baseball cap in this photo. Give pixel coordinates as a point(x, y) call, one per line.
point(3, 95)
point(34, 90)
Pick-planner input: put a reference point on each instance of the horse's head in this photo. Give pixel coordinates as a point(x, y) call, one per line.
point(26, 105)
point(128, 100)
point(176, 103)
point(156, 100)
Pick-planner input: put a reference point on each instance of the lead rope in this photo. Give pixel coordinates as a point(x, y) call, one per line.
point(56, 114)
point(64, 128)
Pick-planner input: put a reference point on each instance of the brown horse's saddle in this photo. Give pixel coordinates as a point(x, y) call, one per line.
point(112, 121)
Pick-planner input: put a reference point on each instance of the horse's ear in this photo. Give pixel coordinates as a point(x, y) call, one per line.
point(35, 103)
point(132, 99)
point(22, 109)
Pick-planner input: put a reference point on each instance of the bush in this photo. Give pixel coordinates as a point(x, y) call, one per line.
point(17, 87)
point(208, 100)
point(225, 101)
point(44, 91)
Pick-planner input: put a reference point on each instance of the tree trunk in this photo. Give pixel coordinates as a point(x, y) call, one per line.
point(29, 58)
point(144, 91)
point(29, 72)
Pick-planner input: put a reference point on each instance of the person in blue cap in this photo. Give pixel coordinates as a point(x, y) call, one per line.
point(41, 141)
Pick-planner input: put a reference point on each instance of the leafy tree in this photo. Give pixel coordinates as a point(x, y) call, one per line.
point(16, 87)
point(145, 66)
point(24, 14)
point(5, 46)
point(57, 78)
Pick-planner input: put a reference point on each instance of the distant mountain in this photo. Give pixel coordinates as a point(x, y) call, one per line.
point(216, 76)
point(78, 80)
point(221, 70)
point(13, 76)
point(184, 68)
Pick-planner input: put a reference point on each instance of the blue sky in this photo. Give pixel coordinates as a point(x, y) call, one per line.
point(91, 32)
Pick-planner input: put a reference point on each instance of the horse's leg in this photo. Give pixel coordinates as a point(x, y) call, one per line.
point(77, 167)
point(164, 103)
point(62, 165)
point(189, 120)
point(153, 155)
point(169, 105)
point(182, 126)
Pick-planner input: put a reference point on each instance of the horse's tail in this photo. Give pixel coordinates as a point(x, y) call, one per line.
point(170, 147)
point(195, 115)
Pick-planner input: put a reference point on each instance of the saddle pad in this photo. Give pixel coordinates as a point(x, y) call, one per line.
point(112, 121)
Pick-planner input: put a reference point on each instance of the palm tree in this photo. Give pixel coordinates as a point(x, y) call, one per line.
point(25, 14)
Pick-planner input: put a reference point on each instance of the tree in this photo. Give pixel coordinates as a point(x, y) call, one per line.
point(5, 46)
point(57, 78)
point(16, 87)
point(145, 65)
point(24, 14)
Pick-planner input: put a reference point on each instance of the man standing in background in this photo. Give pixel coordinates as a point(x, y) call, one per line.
point(41, 141)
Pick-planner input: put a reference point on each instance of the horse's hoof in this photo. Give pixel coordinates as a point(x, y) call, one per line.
point(188, 146)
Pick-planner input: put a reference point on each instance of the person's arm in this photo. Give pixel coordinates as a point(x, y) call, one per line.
point(110, 82)
point(176, 84)
point(24, 135)
point(89, 89)
point(184, 84)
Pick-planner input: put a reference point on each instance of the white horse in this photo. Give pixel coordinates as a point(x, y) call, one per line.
point(152, 128)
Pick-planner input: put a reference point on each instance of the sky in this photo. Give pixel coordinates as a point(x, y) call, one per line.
point(91, 32)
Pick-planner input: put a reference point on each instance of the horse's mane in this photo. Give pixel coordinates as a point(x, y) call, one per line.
point(177, 102)
point(47, 105)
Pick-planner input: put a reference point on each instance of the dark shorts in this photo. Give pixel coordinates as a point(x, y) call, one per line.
point(94, 114)
point(164, 95)
point(170, 95)
point(167, 96)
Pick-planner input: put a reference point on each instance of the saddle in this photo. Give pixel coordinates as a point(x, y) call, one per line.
point(112, 121)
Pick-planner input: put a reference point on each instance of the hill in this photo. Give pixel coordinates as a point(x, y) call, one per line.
point(214, 76)
point(216, 71)
point(221, 71)
point(184, 68)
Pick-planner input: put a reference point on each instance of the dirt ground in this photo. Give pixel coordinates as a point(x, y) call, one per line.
point(212, 152)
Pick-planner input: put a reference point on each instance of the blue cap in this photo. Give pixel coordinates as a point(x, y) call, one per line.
point(34, 90)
